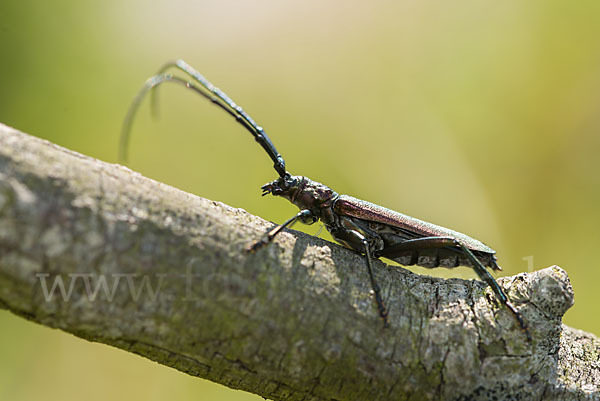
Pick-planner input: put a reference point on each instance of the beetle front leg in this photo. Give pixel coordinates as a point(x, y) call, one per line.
point(303, 215)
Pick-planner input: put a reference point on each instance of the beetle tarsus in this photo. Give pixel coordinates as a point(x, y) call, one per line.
point(252, 248)
point(520, 320)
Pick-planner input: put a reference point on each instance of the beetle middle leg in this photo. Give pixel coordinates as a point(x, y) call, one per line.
point(482, 272)
point(380, 306)
point(359, 242)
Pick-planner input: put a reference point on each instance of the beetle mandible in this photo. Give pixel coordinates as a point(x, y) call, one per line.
point(365, 227)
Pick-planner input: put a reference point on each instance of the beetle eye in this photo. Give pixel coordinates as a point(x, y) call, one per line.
point(289, 182)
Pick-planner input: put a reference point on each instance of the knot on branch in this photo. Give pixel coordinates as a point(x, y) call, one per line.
point(551, 291)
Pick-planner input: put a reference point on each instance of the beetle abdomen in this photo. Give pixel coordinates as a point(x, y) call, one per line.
point(445, 257)
point(431, 257)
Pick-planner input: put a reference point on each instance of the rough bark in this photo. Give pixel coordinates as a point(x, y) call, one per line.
point(295, 321)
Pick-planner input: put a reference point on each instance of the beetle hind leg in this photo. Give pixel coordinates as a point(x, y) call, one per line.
point(485, 275)
point(476, 264)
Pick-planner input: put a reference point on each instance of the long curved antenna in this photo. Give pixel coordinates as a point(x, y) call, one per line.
point(215, 95)
point(150, 84)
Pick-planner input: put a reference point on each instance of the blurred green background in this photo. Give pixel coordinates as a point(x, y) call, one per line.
point(479, 116)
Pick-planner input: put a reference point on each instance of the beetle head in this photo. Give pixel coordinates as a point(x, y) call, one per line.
point(285, 186)
point(301, 191)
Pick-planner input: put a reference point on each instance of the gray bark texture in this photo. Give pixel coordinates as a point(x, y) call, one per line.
point(161, 273)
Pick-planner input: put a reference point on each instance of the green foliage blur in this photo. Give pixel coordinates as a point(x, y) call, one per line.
point(480, 116)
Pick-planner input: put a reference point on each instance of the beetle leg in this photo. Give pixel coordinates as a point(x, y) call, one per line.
point(417, 243)
point(482, 272)
point(302, 214)
point(380, 306)
point(357, 241)
point(442, 242)
point(485, 275)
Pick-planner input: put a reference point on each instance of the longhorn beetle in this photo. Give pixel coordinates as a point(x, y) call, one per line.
point(367, 228)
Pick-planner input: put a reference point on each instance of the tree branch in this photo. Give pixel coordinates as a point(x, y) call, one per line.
point(162, 273)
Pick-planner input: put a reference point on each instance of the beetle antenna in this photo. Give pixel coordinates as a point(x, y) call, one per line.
point(208, 91)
